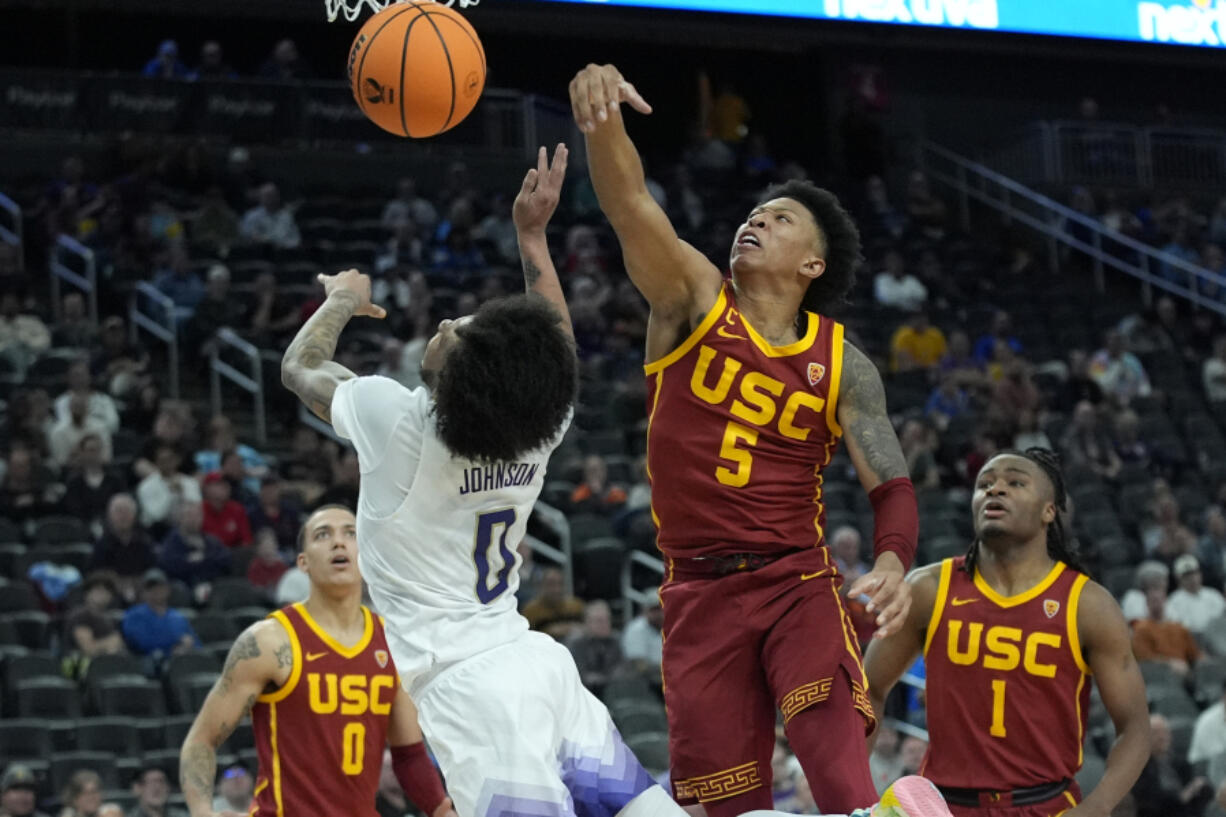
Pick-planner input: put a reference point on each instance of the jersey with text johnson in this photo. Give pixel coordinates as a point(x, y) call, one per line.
point(320, 737)
point(1008, 687)
point(739, 433)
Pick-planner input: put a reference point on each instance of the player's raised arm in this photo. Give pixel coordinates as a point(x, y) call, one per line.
point(307, 369)
point(533, 208)
point(262, 655)
point(1106, 646)
point(887, 659)
point(669, 272)
point(882, 469)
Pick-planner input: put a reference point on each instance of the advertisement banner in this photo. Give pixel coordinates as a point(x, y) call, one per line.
point(136, 103)
point(40, 100)
point(246, 111)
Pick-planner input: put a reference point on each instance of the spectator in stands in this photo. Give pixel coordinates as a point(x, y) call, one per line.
point(28, 490)
point(1166, 786)
point(595, 494)
point(344, 487)
point(1029, 435)
point(153, 789)
point(274, 315)
point(89, 630)
point(597, 647)
point(958, 363)
point(122, 366)
point(1079, 386)
point(999, 335)
point(218, 309)
point(552, 611)
point(917, 345)
point(919, 446)
point(221, 439)
point(881, 217)
point(270, 222)
point(224, 518)
point(1157, 638)
point(1212, 547)
point(99, 406)
point(161, 490)
point(82, 796)
point(1086, 444)
point(216, 224)
point(947, 401)
point(895, 288)
point(401, 363)
point(124, 547)
point(409, 207)
point(1180, 246)
point(213, 65)
point(284, 63)
point(925, 212)
point(295, 586)
point(267, 567)
point(166, 64)
point(498, 230)
point(1150, 573)
point(277, 513)
point(152, 627)
point(92, 483)
point(1144, 334)
point(1193, 605)
point(235, 474)
point(642, 642)
point(177, 281)
point(1209, 735)
point(846, 545)
point(1118, 372)
point(74, 328)
point(1164, 536)
point(883, 761)
point(1129, 446)
point(110, 810)
point(64, 439)
point(234, 789)
point(1014, 393)
point(19, 792)
point(911, 754)
point(1213, 373)
point(308, 462)
point(22, 336)
point(190, 554)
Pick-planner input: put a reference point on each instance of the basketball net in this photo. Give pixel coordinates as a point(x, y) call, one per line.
point(352, 9)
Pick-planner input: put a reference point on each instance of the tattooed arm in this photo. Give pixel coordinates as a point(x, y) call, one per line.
point(261, 657)
point(879, 460)
point(307, 369)
point(533, 207)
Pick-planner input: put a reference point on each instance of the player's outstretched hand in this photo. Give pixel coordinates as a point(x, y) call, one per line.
point(541, 191)
point(888, 592)
point(445, 808)
point(596, 91)
point(356, 283)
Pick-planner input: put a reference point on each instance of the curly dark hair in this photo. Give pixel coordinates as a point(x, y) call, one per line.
point(840, 239)
point(507, 384)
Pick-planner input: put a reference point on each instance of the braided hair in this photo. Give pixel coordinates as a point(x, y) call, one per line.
point(1060, 545)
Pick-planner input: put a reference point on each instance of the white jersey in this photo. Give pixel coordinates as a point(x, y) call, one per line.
point(437, 535)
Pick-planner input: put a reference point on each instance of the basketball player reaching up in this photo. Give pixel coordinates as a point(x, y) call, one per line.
point(321, 687)
point(750, 390)
point(1011, 634)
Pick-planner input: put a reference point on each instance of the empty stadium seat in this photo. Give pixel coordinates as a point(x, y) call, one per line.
point(33, 628)
point(231, 592)
point(55, 530)
point(213, 626)
point(32, 665)
point(19, 596)
point(190, 690)
point(10, 550)
point(639, 716)
point(47, 697)
point(119, 736)
point(651, 748)
point(127, 695)
point(27, 737)
point(189, 663)
point(598, 567)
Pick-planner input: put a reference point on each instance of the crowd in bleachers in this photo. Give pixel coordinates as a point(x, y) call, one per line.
point(138, 534)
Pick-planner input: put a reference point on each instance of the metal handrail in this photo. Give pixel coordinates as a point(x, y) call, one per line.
point(87, 283)
point(13, 236)
point(556, 521)
point(252, 383)
point(163, 330)
point(972, 180)
point(633, 596)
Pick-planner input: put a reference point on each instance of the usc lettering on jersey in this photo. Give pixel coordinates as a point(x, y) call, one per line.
point(739, 433)
point(320, 737)
point(1007, 687)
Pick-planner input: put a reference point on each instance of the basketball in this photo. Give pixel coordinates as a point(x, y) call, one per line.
point(416, 68)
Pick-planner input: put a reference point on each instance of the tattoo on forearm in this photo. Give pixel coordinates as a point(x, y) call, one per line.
point(197, 768)
point(532, 273)
point(866, 418)
point(314, 345)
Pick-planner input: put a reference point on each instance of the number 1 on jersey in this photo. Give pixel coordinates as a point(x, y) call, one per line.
point(998, 709)
point(499, 521)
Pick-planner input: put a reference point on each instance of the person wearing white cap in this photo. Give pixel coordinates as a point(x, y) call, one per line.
point(19, 792)
point(1193, 605)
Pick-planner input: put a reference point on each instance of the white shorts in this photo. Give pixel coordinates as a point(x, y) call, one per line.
point(516, 734)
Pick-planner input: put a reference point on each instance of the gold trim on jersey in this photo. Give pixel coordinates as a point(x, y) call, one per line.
point(938, 605)
point(793, 348)
point(276, 760)
point(690, 342)
point(655, 401)
point(1074, 635)
point(1081, 682)
point(333, 644)
point(1020, 598)
point(720, 785)
point(295, 661)
point(836, 374)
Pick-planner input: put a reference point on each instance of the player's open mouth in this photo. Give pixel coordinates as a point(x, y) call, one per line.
point(748, 240)
point(340, 560)
point(994, 510)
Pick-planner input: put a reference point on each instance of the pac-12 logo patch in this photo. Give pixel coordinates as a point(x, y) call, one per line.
point(816, 372)
point(1051, 607)
point(381, 658)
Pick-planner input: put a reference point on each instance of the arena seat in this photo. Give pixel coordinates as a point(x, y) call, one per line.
point(47, 697)
point(19, 596)
point(129, 696)
point(119, 736)
point(60, 529)
point(651, 748)
point(24, 737)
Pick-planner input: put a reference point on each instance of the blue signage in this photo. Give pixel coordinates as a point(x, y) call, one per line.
point(1181, 22)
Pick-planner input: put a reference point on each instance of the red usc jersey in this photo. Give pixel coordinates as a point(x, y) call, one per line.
point(739, 433)
point(1008, 688)
point(320, 737)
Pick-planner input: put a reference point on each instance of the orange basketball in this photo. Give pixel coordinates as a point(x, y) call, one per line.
point(417, 68)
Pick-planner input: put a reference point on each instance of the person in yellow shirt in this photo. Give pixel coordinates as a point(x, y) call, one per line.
point(917, 345)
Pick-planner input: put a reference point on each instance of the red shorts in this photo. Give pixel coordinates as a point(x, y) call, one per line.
point(1065, 801)
point(740, 645)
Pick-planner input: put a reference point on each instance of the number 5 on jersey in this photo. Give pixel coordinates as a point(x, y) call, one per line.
point(492, 526)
